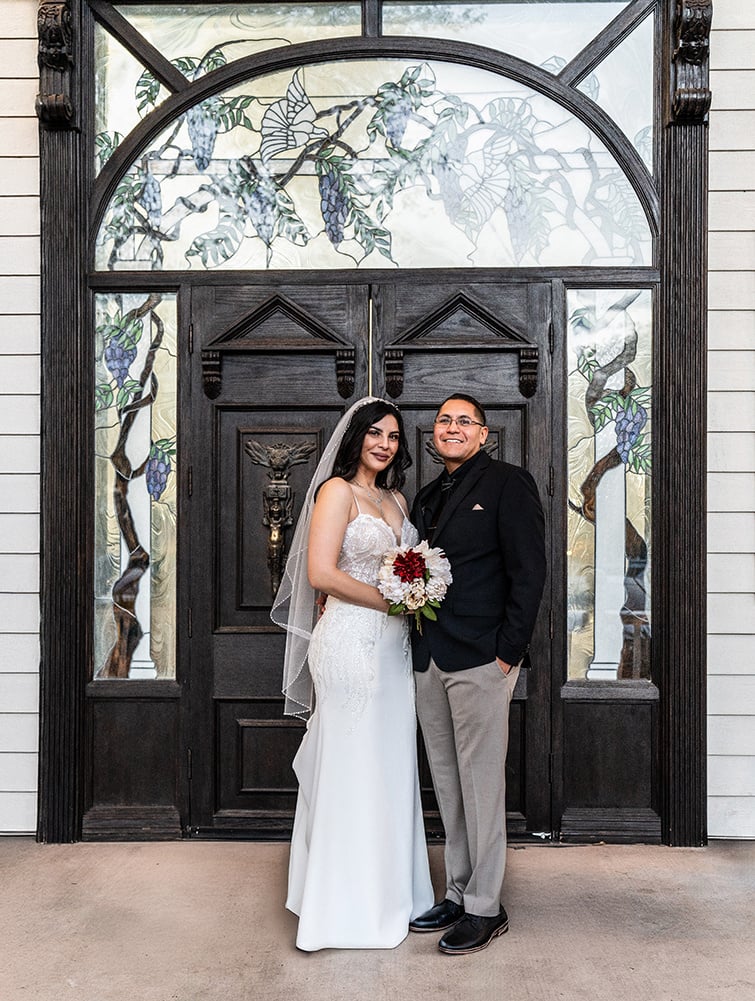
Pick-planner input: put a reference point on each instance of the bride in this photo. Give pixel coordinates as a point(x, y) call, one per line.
point(358, 870)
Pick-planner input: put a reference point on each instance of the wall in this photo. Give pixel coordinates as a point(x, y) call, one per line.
point(19, 417)
point(731, 490)
point(731, 423)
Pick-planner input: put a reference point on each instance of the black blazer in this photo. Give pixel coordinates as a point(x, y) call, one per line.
point(492, 531)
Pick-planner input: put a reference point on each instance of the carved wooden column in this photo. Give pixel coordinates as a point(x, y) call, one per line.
point(679, 622)
point(66, 431)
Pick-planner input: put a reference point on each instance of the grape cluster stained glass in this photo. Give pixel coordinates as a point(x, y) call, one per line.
point(609, 468)
point(135, 492)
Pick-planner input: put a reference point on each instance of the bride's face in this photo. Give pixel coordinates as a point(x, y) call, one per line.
point(379, 446)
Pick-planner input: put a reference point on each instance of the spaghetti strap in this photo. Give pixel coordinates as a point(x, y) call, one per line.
point(395, 498)
point(356, 500)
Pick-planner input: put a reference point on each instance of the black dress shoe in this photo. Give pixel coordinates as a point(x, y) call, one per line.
point(438, 918)
point(473, 933)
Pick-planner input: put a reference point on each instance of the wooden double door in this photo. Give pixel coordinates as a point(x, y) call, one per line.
point(272, 369)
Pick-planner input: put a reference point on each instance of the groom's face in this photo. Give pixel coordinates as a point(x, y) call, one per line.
point(456, 442)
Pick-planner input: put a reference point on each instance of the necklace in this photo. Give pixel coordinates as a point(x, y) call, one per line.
point(377, 500)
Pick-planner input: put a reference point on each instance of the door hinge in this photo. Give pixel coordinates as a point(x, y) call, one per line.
point(190, 480)
point(551, 339)
point(191, 338)
point(190, 624)
point(188, 762)
point(551, 481)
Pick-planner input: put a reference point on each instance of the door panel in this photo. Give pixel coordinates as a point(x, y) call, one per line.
point(481, 339)
point(272, 368)
point(274, 355)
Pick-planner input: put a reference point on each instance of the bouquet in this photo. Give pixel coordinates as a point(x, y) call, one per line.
point(414, 579)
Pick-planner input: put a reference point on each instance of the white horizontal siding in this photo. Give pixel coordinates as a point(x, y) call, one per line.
point(19, 493)
point(730, 654)
point(19, 693)
point(729, 411)
point(731, 424)
point(19, 453)
point(19, 255)
point(731, 452)
point(19, 812)
point(19, 573)
point(732, 130)
point(18, 772)
point(731, 816)
point(19, 334)
point(19, 417)
point(730, 491)
point(19, 175)
point(19, 652)
point(729, 210)
point(731, 330)
point(728, 573)
point(19, 733)
point(734, 89)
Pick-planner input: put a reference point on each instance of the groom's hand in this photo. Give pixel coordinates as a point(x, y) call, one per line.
point(503, 665)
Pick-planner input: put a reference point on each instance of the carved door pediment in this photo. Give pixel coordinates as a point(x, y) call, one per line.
point(460, 324)
point(278, 326)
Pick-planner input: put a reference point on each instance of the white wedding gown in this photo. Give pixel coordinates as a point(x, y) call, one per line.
point(358, 871)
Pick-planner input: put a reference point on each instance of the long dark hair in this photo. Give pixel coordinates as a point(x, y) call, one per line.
point(347, 458)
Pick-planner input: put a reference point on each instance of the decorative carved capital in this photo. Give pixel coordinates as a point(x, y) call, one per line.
point(211, 381)
point(394, 372)
point(528, 363)
point(345, 372)
point(55, 58)
point(691, 94)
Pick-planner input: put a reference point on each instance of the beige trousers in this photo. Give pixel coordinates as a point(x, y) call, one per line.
point(464, 717)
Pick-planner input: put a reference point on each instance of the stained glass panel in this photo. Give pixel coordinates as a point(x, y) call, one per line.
point(135, 486)
point(376, 164)
point(122, 93)
point(540, 31)
point(240, 28)
point(609, 469)
point(622, 84)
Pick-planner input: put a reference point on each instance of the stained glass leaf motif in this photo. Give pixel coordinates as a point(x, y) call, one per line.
point(290, 122)
point(106, 144)
point(250, 202)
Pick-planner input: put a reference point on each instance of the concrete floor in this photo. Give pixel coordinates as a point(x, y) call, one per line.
point(204, 921)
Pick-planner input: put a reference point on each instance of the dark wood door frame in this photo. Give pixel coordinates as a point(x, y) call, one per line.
point(679, 657)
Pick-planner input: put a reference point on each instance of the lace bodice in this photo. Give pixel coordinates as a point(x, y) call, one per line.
point(366, 540)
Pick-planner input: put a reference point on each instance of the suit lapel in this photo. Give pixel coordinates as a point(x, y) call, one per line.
point(459, 493)
point(418, 509)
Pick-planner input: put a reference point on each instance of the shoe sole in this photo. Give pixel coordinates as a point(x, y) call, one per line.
point(425, 931)
point(477, 948)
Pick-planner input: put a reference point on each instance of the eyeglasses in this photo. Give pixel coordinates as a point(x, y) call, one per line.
point(463, 422)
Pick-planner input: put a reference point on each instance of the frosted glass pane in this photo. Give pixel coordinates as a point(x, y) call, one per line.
point(240, 28)
point(544, 33)
point(376, 164)
point(123, 94)
point(622, 84)
point(609, 469)
point(135, 486)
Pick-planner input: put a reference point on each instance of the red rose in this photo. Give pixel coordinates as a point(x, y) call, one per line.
point(409, 566)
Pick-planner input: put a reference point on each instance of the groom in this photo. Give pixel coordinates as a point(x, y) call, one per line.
point(486, 516)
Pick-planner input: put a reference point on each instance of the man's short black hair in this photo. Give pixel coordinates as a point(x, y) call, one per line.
point(467, 399)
